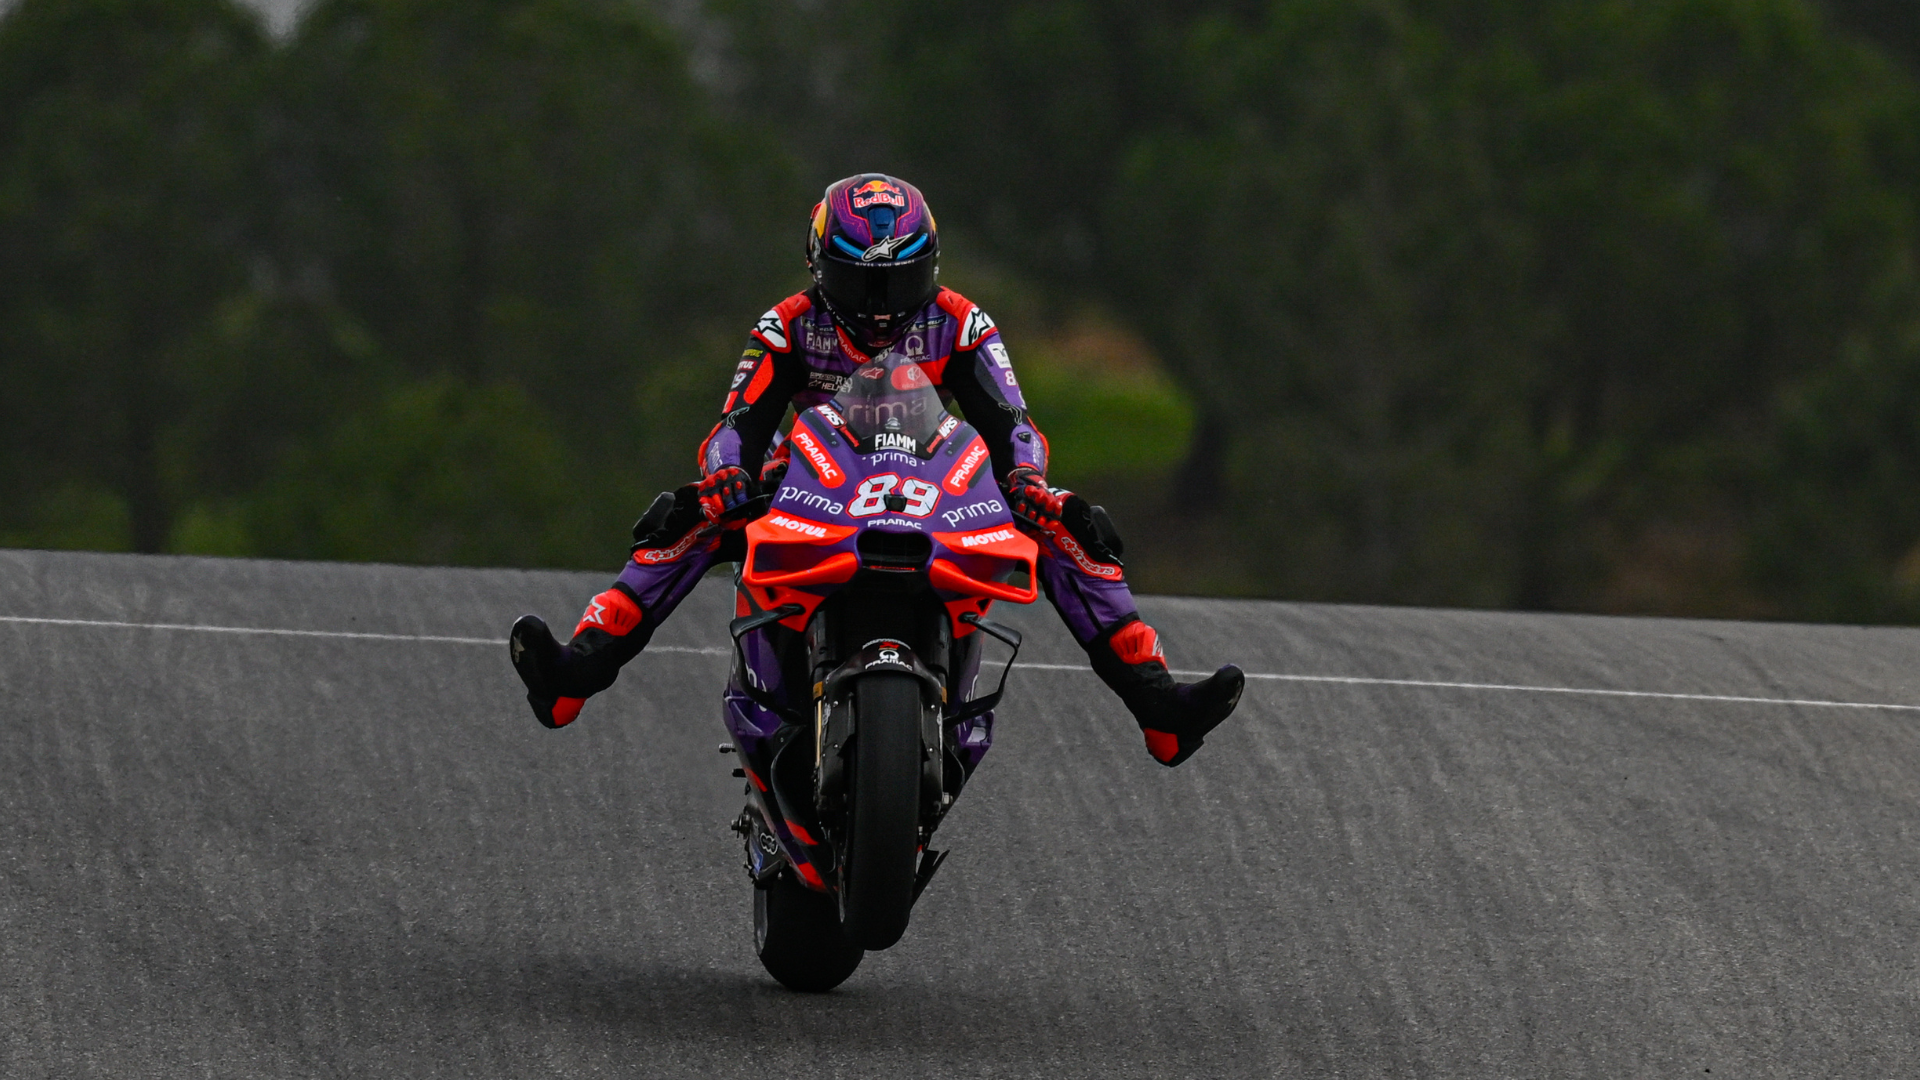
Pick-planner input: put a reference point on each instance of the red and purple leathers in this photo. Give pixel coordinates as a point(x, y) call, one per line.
point(798, 357)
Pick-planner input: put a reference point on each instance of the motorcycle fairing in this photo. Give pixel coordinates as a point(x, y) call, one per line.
point(915, 487)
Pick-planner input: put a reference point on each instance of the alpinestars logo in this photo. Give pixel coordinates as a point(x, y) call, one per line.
point(772, 330)
point(818, 457)
point(1065, 542)
point(884, 249)
point(977, 326)
point(660, 555)
point(781, 521)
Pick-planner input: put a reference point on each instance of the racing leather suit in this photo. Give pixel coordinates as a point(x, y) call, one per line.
point(798, 356)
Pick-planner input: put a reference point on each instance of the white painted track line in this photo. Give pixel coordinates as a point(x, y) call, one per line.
point(1344, 680)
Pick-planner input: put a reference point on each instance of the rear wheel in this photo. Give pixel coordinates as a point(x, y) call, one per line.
point(797, 934)
point(883, 816)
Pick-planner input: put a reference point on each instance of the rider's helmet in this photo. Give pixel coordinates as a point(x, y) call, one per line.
point(874, 252)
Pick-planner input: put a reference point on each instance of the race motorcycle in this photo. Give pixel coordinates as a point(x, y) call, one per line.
point(861, 618)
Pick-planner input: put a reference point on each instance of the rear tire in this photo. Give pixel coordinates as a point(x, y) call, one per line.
point(883, 819)
point(797, 934)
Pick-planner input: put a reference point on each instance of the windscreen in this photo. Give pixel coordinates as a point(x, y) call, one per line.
point(891, 404)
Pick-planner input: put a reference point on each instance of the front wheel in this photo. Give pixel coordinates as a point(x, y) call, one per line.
point(797, 934)
point(883, 816)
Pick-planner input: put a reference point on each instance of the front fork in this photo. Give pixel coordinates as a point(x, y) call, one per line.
point(794, 762)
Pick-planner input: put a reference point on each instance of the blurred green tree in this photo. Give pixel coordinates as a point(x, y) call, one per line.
point(129, 198)
point(1478, 301)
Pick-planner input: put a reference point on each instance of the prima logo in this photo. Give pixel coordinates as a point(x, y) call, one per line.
point(781, 521)
point(985, 538)
point(888, 457)
point(888, 440)
point(812, 500)
point(973, 510)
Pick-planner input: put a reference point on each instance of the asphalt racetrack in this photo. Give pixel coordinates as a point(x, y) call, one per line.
point(252, 853)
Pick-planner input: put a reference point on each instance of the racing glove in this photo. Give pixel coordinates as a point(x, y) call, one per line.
point(725, 489)
point(1032, 500)
point(774, 472)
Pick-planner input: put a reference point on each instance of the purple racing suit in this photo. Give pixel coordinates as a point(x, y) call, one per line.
point(798, 357)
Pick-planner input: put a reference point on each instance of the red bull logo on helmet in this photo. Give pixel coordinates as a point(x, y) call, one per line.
point(878, 193)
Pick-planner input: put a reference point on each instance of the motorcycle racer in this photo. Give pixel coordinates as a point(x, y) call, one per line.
point(873, 249)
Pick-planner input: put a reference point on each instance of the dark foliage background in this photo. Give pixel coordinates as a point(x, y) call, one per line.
point(1574, 304)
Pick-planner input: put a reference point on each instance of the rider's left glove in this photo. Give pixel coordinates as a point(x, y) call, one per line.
point(725, 489)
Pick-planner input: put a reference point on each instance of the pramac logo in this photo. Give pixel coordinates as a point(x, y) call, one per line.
point(964, 474)
point(818, 457)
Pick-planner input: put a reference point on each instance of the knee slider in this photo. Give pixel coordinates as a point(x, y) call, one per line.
point(1093, 529)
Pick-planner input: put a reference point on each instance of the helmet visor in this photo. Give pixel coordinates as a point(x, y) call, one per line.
point(877, 289)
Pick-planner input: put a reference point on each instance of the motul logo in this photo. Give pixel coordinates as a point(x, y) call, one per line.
point(980, 539)
point(962, 475)
point(818, 532)
point(822, 461)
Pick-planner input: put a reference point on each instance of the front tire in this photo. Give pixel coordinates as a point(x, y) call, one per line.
point(883, 819)
point(796, 931)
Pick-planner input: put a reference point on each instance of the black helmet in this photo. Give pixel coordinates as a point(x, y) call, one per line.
point(874, 252)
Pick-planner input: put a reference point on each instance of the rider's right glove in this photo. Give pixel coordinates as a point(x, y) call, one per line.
point(1031, 499)
point(724, 489)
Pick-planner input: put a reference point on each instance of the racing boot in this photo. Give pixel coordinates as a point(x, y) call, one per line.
point(1174, 717)
point(560, 678)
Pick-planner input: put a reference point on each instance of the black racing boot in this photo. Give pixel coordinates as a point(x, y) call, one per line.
point(1174, 717)
point(560, 678)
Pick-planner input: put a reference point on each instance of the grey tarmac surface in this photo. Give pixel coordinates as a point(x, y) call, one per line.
point(267, 855)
